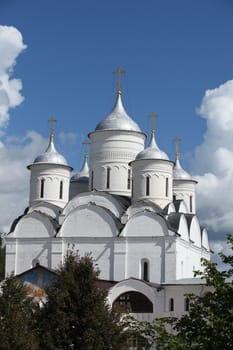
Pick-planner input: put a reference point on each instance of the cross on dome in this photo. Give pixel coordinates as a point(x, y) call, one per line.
point(119, 71)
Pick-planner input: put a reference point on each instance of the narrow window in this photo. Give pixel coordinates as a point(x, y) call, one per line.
point(145, 271)
point(147, 186)
point(186, 304)
point(61, 190)
point(191, 203)
point(108, 178)
point(129, 179)
point(92, 179)
point(174, 197)
point(171, 304)
point(42, 188)
point(166, 192)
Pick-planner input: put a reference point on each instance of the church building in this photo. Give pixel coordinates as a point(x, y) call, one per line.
point(130, 206)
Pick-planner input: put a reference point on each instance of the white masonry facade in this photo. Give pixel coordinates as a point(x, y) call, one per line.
point(132, 208)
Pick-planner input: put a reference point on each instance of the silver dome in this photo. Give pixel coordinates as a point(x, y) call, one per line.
point(152, 151)
point(179, 173)
point(83, 174)
point(51, 155)
point(118, 119)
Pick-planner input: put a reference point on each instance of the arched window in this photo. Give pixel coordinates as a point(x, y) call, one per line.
point(186, 304)
point(171, 304)
point(191, 203)
point(92, 179)
point(167, 188)
point(42, 181)
point(145, 270)
point(134, 302)
point(61, 190)
point(147, 186)
point(129, 179)
point(108, 178)
point(174, 197)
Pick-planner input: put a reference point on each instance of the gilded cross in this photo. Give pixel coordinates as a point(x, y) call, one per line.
point(52, 122)
point(177, 140)
point(153, 115)
point(86, 144)
point(119, 71)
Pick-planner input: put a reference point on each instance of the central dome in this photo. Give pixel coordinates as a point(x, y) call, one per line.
point(118, 119)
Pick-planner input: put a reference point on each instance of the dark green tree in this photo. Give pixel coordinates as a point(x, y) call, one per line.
point(16, 317)
point(209, 323)
point(76, 315)
point(2, 260)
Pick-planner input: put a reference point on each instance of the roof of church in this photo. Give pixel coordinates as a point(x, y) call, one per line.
point(179, 173)
point(51, 155)
point(83, 174)
point(118, 119)
point(152, 151)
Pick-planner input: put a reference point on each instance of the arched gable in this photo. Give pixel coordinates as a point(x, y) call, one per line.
point(145, 224)
point(205, 240)
point(34, 225)
point(131, 285)
point(116, 206)
point(178, 222)
point(89, 221)
point(194, 230)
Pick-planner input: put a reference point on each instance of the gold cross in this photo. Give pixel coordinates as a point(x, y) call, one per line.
point(177, 140)
point(153, 115)
point(86, 144)
point(119, 71)
point(52, 122)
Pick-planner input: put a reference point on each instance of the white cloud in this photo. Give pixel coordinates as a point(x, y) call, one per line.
point(11, 45)
point(15, 155)
point(213, 162)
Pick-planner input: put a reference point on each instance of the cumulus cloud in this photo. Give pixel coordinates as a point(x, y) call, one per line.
point(213, 163)
point(15, 154)
point(11, 45)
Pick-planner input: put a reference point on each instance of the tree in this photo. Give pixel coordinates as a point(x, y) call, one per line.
point(209, 323)
point(2, 260)
point(76, 315)
point(16, 317)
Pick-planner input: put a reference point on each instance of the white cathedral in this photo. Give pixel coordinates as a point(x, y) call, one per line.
point(132, 208)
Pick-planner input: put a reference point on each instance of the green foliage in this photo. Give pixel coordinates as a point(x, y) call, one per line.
point(2, 261)
point(209, 323)
point(16, 317)
point(76, 315)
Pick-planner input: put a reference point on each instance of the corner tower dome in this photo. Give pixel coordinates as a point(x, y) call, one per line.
point(118, 119)
point(152, 151)
point(51, 155)
point(50, 176)
point(184, 186)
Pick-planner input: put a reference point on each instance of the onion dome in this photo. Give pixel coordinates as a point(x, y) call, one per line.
point(178, 172)
point(152, 151)
point(118, 119)
point(51, 155)
point(83, 174)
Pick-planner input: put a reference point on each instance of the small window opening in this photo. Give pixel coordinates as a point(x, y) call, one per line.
point(61, 190)
point(42, 188)
point(92, 179)
point(147, 186)
point(129, 179)
point(174, 197)
point(167, 189)
point(191, 203)
point(186, 304)
point(145, 271)
point(171, 304)
point(108, 178)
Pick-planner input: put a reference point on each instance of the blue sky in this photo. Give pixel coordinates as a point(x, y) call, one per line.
point(173, 52)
